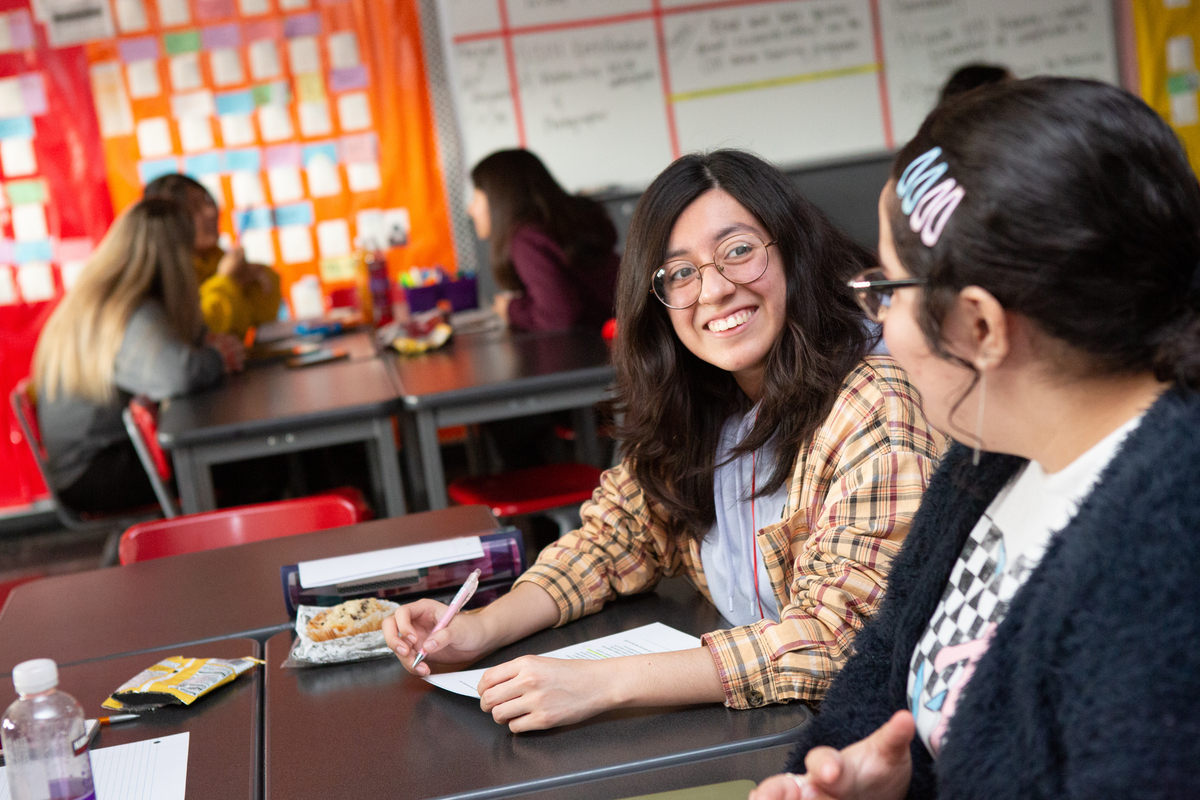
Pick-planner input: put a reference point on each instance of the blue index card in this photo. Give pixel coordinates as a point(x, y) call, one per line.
point(235, 102)
point(251, 218)
point(149, 170)
point(16, 128)
point(246, 160)
point(25, 252)
point(317, 152)
point(294, 214)
point(204, 164)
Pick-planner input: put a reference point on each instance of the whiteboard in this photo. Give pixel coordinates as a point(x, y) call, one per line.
point(609, 92)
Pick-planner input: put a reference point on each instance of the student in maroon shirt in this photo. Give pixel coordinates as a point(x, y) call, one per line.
point(552, 252)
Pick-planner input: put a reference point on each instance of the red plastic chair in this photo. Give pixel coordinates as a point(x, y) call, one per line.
point(232, 526)
point(528, 491)
point(141, 423)
point(24, 405)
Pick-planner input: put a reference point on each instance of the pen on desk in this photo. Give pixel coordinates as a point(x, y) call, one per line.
point(460, 599)
point(116, 718)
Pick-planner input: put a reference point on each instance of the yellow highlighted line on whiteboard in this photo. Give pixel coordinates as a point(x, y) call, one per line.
point(772, 82)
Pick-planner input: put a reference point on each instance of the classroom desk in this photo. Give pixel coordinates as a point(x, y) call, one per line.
point(498, 375)
point(274, 409)
point(754, 766)
point(193, 598)
point(371, 730)
point(223, 727)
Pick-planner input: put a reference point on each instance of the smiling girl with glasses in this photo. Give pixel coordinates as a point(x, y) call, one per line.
point(768, 457)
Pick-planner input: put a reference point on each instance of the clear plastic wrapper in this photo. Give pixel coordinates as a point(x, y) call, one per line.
point(308, 653)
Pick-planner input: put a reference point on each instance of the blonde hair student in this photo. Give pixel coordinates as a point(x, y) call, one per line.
point(130, 325)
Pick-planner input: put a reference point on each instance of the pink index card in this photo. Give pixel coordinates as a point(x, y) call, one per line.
point(221, 36)
point(20, 30)
point(359, 148)
point(264, 29)
point(283, 155)
point(33, 93)
point(208, 10)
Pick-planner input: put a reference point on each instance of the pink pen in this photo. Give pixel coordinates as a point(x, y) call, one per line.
point(464, 594)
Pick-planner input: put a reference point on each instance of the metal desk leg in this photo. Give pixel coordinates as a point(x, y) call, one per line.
point(587, 447)
point(194, 478)
point(412, 461)
point(386, 472)
point(431, 459)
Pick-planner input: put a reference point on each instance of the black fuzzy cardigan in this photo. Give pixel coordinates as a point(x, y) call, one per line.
point(1091, 686)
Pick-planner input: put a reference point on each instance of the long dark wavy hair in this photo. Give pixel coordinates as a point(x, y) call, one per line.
point(521, 191)
point(674, 404)
point(1081, 213)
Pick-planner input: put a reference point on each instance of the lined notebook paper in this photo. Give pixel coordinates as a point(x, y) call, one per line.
point(155, 769)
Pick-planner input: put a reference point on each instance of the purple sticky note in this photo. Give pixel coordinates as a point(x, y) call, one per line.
point(342, 80)
point(138, 49)
point(282, 155)
point(221, 36)
point(6, 250)
point(33, 93)
point(207, 10)
point(20, 30)
point(302, 25)
point(359, 148)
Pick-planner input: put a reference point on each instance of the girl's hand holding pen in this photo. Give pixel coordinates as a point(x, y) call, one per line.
point(410, 630)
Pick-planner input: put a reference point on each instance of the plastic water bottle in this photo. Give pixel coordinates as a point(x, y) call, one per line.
point(45, 739)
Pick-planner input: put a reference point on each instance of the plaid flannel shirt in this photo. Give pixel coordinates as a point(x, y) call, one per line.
point(854, 490)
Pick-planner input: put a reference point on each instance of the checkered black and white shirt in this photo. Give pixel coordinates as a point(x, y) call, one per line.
point(1005, 546)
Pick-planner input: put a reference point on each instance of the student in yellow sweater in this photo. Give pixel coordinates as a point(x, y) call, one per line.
point(234, 293)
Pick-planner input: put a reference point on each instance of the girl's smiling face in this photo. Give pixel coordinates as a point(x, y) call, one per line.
point(732, 326)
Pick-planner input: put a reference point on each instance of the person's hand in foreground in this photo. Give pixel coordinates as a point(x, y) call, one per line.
point(408, 631)
point(532, 692)
point(876, 768)
point(233, 352)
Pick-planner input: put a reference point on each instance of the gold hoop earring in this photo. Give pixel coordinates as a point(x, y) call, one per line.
point(979, 418)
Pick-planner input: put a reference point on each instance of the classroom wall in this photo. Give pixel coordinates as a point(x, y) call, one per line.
point(846, 191)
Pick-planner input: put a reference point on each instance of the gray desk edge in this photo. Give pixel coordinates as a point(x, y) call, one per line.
point(633, 767)
point(601, 376)
point(265, 427)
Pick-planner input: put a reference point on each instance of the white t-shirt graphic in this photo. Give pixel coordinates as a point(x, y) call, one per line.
point(1004, 547)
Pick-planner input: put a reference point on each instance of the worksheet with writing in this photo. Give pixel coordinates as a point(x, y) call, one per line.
point(652, 638)
point(154, 769)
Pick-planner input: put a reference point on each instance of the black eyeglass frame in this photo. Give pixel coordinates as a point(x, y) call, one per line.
point(656, 279)
point(861, 287)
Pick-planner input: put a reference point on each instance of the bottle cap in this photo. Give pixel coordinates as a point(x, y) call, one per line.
point(38, 675)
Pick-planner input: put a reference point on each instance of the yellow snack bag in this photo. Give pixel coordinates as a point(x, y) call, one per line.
point(178, 680)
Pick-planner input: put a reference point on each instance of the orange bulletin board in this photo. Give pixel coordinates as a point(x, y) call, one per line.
point(1167, 34)
point(309, 121)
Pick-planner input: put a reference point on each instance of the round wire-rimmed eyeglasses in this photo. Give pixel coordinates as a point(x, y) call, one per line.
point(874, 292)
point(741, 258)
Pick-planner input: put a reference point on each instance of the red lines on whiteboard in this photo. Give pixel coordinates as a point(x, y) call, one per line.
point(885, 108)
point(511, 60)
point(665, 71)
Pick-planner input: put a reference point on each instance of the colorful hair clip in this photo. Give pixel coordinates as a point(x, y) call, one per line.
point(928, 207)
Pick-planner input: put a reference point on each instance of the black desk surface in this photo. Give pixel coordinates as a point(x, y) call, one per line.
point(194, 597)
point(754, 766)
point(491, 365)
point(273, 398)
point(385, 733)
point(223, 727)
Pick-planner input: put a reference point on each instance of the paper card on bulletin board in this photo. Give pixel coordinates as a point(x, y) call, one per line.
point(271, 107)
point(1166, 47)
